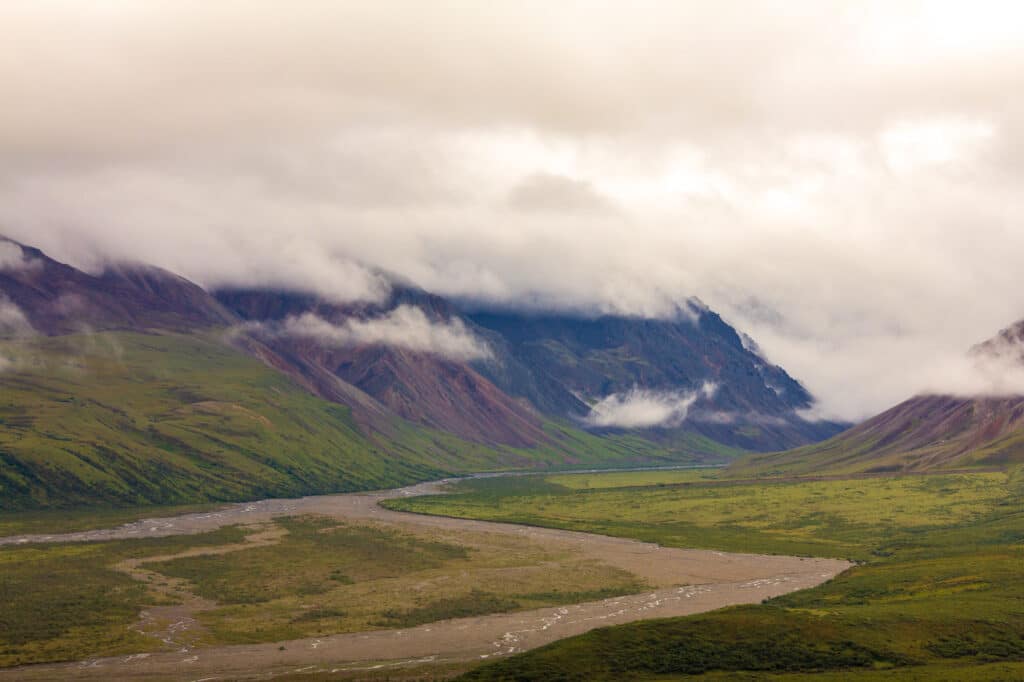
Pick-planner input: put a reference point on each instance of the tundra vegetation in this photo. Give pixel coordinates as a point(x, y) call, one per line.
point(937, 593)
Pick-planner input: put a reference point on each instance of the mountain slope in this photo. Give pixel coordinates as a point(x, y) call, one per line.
point(119, 418)
point(425, 387)
point(536, 366)
point(136, 386)
point(143, 419)
point(923, 433)
point(566, 364)
point(59, 299)
point(920, 434)
point(490, 377)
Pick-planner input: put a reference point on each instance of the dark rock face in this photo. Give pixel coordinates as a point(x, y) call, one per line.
point(563, 363)
point(555, 365)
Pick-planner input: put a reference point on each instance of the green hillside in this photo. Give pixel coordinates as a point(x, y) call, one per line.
point(118, 419)
point(925, 433)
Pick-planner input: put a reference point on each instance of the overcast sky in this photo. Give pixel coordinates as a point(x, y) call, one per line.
point(842, 181)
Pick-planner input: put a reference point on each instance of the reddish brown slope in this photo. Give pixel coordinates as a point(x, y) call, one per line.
point(377, 380)
point(431, 390)
point(59, 299)
point(923, 433)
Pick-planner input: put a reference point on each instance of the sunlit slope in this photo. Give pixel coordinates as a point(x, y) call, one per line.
point(921, 434)
point(141, 419)
point(137, 419)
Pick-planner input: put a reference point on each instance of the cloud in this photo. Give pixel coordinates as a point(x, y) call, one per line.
point(640, 408)
point(12, 257)
point(13, 322)
point(545, 192)
point(839, 180)
point(404, 327)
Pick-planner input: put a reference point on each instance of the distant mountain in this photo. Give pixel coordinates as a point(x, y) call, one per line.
point(693, 369)
point(428, 388)
point(571, 365)
point(923, 433)
point(59, 299)
point(492, 377)
point(134, 385)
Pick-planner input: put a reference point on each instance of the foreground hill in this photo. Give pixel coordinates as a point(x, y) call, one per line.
point(121, 418)
point(920, 434)
point(924, 433)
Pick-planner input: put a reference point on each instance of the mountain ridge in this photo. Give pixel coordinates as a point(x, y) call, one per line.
point(420, 388)
point(923, 433)
point(523, 367)
point(57, 298)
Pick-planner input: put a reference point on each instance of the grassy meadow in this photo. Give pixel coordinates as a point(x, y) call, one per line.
point(67, 602)
point(938, 589)
point(689, 508)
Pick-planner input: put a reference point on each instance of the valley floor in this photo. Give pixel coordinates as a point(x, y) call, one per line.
point(937, 592)
point(515, 588)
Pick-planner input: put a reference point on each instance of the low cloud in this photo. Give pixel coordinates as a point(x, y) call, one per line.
point(404, 327)
point(817, 413)
point(854, 389)
point(12, 257)
point(13, 322)
point(641, 408)
point(988, 375)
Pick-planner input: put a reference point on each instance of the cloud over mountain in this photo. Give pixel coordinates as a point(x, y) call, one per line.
point(13, 322)
point(640, 408)
point(13, 258)
point(404, 327)
point(840, 180)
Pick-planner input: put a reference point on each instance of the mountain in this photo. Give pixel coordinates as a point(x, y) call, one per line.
point(568, 365)
point(133, 385)
point(427, 388)
point(923, 433)
point(694, 368)
point(129, 418)
point(59, 299)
